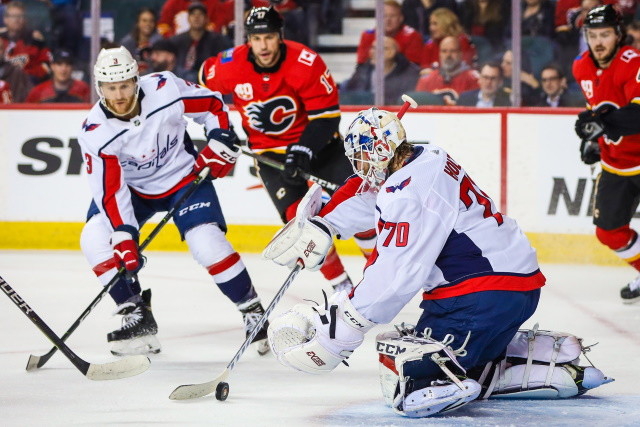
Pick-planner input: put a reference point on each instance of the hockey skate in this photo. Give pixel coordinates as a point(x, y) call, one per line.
point(138, 332)
point(631, 292)
point(252, 311)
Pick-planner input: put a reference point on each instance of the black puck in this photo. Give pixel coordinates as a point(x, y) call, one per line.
point(222, 391)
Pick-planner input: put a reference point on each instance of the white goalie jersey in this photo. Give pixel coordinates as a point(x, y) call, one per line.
point(437, 231)
point(151, 153)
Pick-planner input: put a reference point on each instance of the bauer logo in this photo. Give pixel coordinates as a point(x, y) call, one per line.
point(193, 207)
point(14, 296)
point(316, 359)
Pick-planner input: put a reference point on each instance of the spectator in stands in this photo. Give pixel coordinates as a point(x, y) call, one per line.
point(5, 93)
point(408, 39)
point(529, 86)
point(61, 87)
point(24, 47)
point(163, 56)
point(400, 75)
point(633, 30)
point(554, 89)
point(538, 18)
point(143, 35)
point(197, 44)
point(453, 76)
point(66, 25)
point(18, 82)
point(174, 16)
point(491, 92)
point(488, 19)
point(444, 23)
point(417, 12)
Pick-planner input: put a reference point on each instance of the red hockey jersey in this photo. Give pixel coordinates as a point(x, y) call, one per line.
point(617, 85)
point(275, 106)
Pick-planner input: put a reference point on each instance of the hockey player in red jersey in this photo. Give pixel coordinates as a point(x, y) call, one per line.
point(289, 106)
point(439, 234)
point(140, 161)
point(609, 75)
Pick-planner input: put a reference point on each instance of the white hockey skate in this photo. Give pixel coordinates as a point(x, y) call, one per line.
point(631, 292)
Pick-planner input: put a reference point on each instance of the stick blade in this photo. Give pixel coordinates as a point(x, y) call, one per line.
point(33, 363)
point(123, 368)
point(192, 391)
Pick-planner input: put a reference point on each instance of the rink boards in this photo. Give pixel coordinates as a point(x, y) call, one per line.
point(527, 160)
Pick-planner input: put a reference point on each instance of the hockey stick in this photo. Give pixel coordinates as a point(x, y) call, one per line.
point(36, 362)
point(191, 391)
point(123, 368)
point(280, 166)
point(408, 102)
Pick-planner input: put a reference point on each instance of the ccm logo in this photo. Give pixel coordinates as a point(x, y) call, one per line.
point(316, 359)
point(310, 247)
point(353, 320)
point(193, 207)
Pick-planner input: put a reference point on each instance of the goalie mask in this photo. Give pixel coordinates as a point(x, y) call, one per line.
point(370, 144)
point(113, 66)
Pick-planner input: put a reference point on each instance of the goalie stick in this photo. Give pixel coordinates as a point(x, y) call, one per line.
point(36, 362)
point(123, 368)
point(191, 391)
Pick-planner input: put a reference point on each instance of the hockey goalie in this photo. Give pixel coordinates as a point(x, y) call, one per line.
point(438, 233)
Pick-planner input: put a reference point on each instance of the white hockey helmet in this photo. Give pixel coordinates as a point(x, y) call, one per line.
point(115, 65)
point(370, 144)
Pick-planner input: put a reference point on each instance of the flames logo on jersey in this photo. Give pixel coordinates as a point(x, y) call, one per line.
point(88, 127)
point(273, 116)
point(399, 187)
point(162, 80)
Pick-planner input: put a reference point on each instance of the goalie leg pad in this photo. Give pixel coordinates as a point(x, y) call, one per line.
point(433, 388)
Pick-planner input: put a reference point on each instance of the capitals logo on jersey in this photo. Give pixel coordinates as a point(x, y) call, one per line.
point(273, 116)
point(162, 80)
point(88, 127)
point(399, 187)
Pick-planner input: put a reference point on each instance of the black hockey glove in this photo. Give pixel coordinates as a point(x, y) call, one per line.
point(589, 125)
point(589, 151)
point(297, 162)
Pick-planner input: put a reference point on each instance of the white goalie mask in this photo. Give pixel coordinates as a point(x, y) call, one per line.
point(115, 65)
point(370, 144)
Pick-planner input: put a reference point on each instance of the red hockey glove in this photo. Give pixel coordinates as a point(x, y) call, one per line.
point(125, 248)
point(220, 154)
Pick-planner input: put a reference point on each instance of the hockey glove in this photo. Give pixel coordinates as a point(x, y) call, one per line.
point(220, 154)
point(589, 152)
point(589, 125)
point(317, 339)
point(124, 241)
point(297, 162)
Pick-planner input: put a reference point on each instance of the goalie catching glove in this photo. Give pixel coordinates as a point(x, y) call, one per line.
point(317, 339)
point(220, 154)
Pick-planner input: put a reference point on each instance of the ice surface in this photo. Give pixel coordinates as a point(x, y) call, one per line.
point(200, 331)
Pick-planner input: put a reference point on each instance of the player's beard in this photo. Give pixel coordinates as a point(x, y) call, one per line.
point(605, 61)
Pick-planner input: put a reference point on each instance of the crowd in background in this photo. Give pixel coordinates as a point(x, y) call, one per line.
point(442, 52)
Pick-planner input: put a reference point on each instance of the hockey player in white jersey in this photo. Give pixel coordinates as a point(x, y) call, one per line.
point(139, 161)
point(438, 233)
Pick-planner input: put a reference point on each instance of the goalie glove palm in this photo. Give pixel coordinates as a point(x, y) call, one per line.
point(316, 340)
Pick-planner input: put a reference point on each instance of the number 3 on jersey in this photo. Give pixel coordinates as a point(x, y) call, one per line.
point(468, 187)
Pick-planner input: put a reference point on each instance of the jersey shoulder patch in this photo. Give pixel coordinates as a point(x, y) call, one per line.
point(307, 57)
point(227, 55)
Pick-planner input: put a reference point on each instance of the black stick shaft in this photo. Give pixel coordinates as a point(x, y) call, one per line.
point(45, 357)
